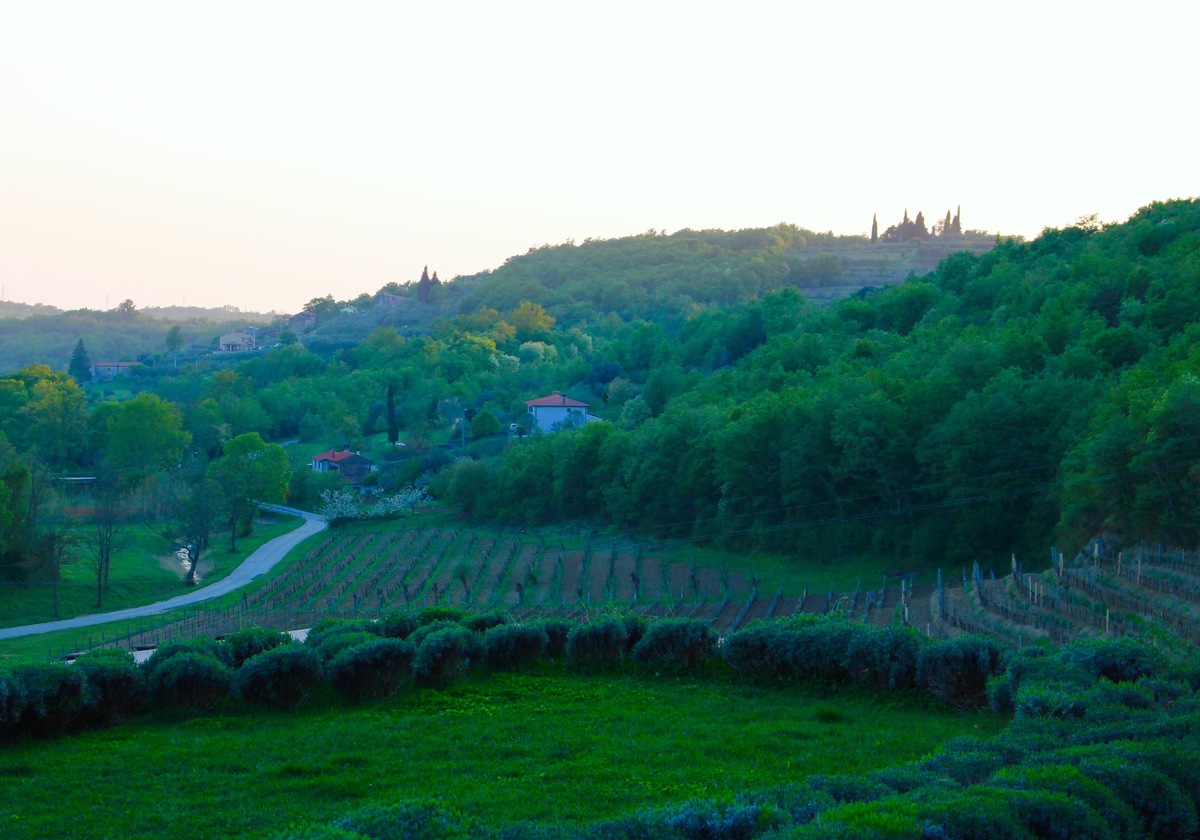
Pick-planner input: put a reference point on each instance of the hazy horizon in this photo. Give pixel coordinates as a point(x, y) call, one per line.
point(260, 156)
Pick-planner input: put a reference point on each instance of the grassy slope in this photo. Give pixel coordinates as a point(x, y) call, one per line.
point(549, 747)
point(136, 578)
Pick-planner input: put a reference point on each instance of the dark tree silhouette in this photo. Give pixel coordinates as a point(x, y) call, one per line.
point(80, 367)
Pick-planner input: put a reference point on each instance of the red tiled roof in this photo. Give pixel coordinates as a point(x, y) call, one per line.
point(334, 455)
point(558, 400)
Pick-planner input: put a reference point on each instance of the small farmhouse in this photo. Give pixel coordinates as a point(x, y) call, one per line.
point(237, 342)
point(108, 371)
point(351, 466)
point(558, 411)
point(301, 322)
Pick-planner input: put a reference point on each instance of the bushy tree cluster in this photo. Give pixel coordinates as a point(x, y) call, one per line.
point(1042, 392)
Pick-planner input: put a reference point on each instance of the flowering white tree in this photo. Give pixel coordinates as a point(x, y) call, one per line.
point(344, 504)
point(340, 504)
point(406, 501)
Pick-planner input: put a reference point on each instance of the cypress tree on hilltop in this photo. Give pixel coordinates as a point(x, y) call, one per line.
point(80, 367)
point(875, 227)
point(957, 223)
point(919, 229)
point(423, 285)
point(947, 226)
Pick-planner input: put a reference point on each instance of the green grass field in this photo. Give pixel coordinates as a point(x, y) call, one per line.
point(550, 747)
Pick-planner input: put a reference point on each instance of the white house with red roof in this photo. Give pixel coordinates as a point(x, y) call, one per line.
point(351, 466)
point(558, 411)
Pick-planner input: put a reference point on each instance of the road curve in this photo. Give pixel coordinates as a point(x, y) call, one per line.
point(259, 561)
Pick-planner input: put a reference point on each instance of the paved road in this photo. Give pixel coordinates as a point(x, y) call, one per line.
point(262, 559)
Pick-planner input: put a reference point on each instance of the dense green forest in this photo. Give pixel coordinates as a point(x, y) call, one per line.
point(1035, 394)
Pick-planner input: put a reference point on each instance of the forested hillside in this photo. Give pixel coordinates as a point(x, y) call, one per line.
point(1030, 396)
point(1042, 391)
point(44, 335)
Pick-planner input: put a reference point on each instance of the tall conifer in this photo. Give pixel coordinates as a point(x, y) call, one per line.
point(80, 367)
point(423, 285)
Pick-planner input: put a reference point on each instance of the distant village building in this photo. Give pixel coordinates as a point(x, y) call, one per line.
point(301, 321)
point(386, 299)
point(108, 371)
point(351, 466)
point(558, 411)
point(238, 342)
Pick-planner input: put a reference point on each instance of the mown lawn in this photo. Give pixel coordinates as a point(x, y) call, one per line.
point(550, 747)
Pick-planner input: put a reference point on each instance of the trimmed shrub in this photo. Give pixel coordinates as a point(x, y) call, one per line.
point(988, 813)
point(969, 760)
point(201, 645)
point(819, 647)
point(884, 657)
point(1067, 780)
point(410, 820)
point(1116, 660)
point(53, 698)
point(429, 615)
point(189, 680)
point(334, 643)
point(598, 643)
point(1163, 807)
point(763, 649)
point(1048, 701)
point(113, 684)
point(677, 642)
point(280, 678)
point(373, 670)
point(514, 645)
point(252, 641)
point(398, 625)
point(801, 801)
point(328, 627)
point(848, 788)
point(446, 654)
point(12, 701)
point(635, 628)
point(426, 630)
point(709, 820)
point(957, 671)
point(557, 632)
point(482, 622)
point(907, 777)
point(1021, 666)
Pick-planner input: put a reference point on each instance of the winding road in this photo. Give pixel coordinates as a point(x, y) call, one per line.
point(258, 563)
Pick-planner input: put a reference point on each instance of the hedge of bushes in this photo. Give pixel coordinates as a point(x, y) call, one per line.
point(1104, 738)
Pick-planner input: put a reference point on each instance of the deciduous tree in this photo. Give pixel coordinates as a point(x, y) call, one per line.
point(251, 471)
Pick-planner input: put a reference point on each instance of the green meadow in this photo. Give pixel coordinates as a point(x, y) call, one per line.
point(549, 746)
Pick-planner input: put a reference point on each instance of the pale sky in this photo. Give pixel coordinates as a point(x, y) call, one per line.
point(262, 154)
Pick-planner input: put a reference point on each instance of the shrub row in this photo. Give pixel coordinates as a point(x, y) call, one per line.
point(955, 671)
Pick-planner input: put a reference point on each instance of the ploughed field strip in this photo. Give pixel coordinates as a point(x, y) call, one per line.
point(355, 574)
